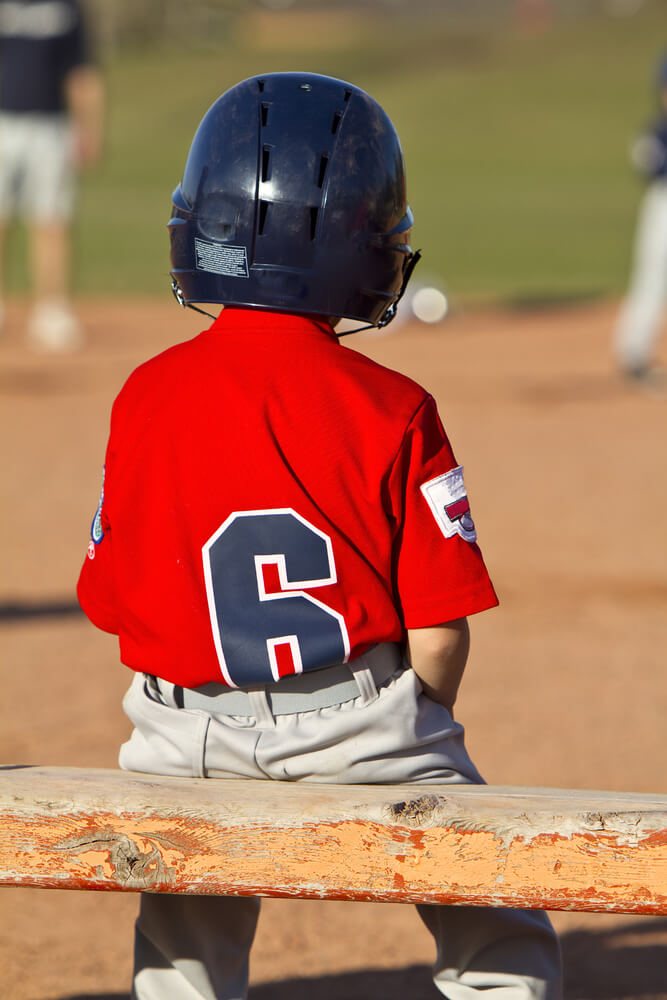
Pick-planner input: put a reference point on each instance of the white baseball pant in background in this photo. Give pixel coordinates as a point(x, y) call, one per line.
point(642, 311)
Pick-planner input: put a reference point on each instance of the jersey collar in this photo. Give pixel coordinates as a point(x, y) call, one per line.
point(263, 320)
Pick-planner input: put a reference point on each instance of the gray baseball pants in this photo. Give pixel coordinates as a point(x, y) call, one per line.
point(197, 947)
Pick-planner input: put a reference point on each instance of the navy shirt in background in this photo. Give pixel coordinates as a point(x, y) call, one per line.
point(40, 42)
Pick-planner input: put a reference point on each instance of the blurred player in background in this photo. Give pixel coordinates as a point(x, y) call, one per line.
point(642, 312)
point(51, 110)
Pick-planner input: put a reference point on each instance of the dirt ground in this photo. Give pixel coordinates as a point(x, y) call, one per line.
point(565, 466)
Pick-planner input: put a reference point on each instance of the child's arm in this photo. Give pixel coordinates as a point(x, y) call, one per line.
point(438, 656)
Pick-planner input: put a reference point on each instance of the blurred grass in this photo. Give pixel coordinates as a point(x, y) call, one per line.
point(516, 144)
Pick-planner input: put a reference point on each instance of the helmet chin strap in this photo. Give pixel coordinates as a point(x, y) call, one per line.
point(390, 313)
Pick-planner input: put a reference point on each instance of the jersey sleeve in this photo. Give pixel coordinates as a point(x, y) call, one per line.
point(440, 572)
point(96, 587)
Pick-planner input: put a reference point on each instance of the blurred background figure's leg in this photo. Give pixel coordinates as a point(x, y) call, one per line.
point(53, 325)
point(9, 149)
point(49, 202)
point(642, 312)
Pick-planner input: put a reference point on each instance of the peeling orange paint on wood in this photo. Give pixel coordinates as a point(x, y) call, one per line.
point(540, 848)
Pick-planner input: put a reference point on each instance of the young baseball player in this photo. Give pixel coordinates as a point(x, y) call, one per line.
point(642, 313)
point(284, 544)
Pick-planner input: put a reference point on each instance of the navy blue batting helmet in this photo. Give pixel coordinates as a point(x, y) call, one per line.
point(293, 199)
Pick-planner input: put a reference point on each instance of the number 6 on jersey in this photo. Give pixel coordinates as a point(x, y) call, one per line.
point(257, 566)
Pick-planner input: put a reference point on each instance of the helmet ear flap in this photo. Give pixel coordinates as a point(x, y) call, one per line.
point(391, 310)
point(409, 266)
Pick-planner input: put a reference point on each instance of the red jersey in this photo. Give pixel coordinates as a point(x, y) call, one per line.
point(275, 502)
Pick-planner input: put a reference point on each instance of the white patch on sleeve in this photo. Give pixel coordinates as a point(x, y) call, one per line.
point(447, 498)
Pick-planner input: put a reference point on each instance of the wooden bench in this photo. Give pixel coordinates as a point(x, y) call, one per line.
point(75, 828)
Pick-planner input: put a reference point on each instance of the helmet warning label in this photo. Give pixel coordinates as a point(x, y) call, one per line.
point(220, 258)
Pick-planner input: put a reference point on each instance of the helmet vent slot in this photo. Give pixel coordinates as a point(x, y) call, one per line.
point(348, 95)
point(336, 121)
point(324, 162)
point(266, 163)
point(314, 212)
point(260, 84)
point(265, 115)
point(263, 212)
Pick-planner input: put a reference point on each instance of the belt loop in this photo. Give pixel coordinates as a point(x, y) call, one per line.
point(259, 703)
point(151, 689)
point(165, 691)
point(363, 675)
point(199, 746)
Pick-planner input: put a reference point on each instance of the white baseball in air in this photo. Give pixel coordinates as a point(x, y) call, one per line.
point(429, 305)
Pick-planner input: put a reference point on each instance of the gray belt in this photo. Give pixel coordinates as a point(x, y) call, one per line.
point(296, 693)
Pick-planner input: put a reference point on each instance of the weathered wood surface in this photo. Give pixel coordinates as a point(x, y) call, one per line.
point(573, 850)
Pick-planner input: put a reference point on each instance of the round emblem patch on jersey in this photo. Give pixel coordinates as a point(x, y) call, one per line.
point(96, 530)
point(447, 498)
